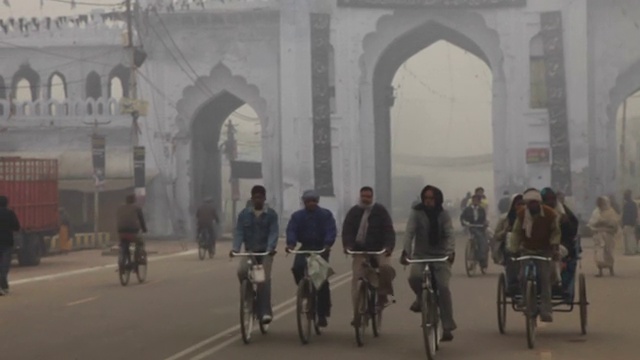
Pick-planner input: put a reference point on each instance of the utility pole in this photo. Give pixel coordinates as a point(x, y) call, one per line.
point(623, 144)
point(133, 85)
point(231, 148)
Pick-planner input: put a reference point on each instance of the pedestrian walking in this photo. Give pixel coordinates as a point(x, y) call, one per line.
point(8, 225)
point(629, 223)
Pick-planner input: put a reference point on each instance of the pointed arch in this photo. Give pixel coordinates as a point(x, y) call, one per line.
point(121, 73)
point(57, 86)
point(93, 86)
point(30, 78)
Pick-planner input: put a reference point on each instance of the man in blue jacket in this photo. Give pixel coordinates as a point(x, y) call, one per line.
point(257, 229)
point(314, 228)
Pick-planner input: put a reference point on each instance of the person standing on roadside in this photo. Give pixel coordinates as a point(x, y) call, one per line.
point(8, 225)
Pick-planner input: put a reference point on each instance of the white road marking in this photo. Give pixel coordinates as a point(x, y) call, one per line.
point(92, 269)
point(278, 316)
point(340, 281)
point(82, 301)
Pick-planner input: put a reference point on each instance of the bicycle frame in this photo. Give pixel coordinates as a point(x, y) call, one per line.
point(306, 252)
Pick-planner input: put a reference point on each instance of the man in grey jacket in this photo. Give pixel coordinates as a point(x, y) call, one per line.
point(429, 234)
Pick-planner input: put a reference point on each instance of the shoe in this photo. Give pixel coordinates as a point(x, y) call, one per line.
point(415, 307)
point(322, 322)
point(447, 336)
point(546, 318)
point(4, 292)
point(266, 319)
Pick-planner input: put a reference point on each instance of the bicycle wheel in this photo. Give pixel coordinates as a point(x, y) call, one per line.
point(141, 266)
point(502, 303)
point(246, 310)
point(582, 288)
point(124, 268)
point(202, 249)
point(531, 306)
point(360, 312)
point(303, 313)
point(469, 258)
point(428, 326)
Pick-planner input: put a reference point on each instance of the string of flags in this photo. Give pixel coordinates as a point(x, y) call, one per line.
point(71, 2)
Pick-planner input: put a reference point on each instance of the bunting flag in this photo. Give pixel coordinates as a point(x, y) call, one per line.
point(41, 4)
point(73, 4)
point(6, 2)
point(4, 26)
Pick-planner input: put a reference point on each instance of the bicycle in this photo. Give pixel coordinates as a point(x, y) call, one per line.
point(430, 308)
point(471, 251)
point(531, 308)
point(249, 295)
point(126, 265)
point(306, 301)
point(366, 307)
point(205, 244)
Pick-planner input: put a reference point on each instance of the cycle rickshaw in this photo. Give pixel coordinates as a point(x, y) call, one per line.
point(524, 298)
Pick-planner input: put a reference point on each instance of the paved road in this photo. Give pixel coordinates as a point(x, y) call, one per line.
point(188, 310)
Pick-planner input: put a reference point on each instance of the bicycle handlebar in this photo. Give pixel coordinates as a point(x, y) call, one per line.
point(305, 252)
point(475, 225)
point(246, 254)
point(531, 257)
point(427, 261)
point(365, 252)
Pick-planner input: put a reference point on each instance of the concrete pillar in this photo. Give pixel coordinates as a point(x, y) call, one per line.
point(296, 127)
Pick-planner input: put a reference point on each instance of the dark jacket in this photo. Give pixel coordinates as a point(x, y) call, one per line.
point(130, 219)
point(630, 213)
point(467, 216)
point(8, 225)
point(206, 215)
point(569, 230)
point(314, 230)
point(257, 234)
point(380, 234)
point(545, 232)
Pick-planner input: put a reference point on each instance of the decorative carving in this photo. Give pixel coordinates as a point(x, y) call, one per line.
point(431, 3)
point(320, 45)
point(551, 23)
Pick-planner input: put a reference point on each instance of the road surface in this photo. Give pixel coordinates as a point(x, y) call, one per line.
point(188, 309)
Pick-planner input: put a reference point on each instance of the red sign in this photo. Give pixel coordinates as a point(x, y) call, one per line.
point(538, 156)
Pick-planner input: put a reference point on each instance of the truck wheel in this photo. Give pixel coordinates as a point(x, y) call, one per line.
point(31, 251)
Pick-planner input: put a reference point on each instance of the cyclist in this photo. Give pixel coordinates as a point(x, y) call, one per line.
point(429, 234)
point(207, 218)
point(500, 254)
point(483, 202)
point(537, 232)
point(130, 223)
point(368, 227)
point(314, 228)
point(476, 215)
point(257, 229)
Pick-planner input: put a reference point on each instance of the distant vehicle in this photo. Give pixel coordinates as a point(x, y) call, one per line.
point(32, 188)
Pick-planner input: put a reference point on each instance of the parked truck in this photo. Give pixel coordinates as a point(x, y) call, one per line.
point(32, 188)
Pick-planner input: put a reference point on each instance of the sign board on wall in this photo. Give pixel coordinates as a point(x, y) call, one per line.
point(538, 156)
point(430, 3)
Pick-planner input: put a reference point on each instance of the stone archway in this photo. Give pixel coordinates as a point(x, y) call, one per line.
point(201, 113)
point(397, 38)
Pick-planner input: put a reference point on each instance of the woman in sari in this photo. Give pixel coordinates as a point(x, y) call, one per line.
point(605, 224)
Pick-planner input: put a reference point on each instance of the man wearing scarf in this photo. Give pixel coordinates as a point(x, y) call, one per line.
point(314, 228)
point(537, 232)
point(429, 234)
point(368, 227)
point(568, 221)
point(476, 215)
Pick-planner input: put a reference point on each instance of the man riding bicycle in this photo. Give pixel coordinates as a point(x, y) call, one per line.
point(257, 229)
point(207, 218)
point(368, 227)
point(537, 232)
point(130, 221)
point(474, 217)
point(314, 228)
point(429, 234)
